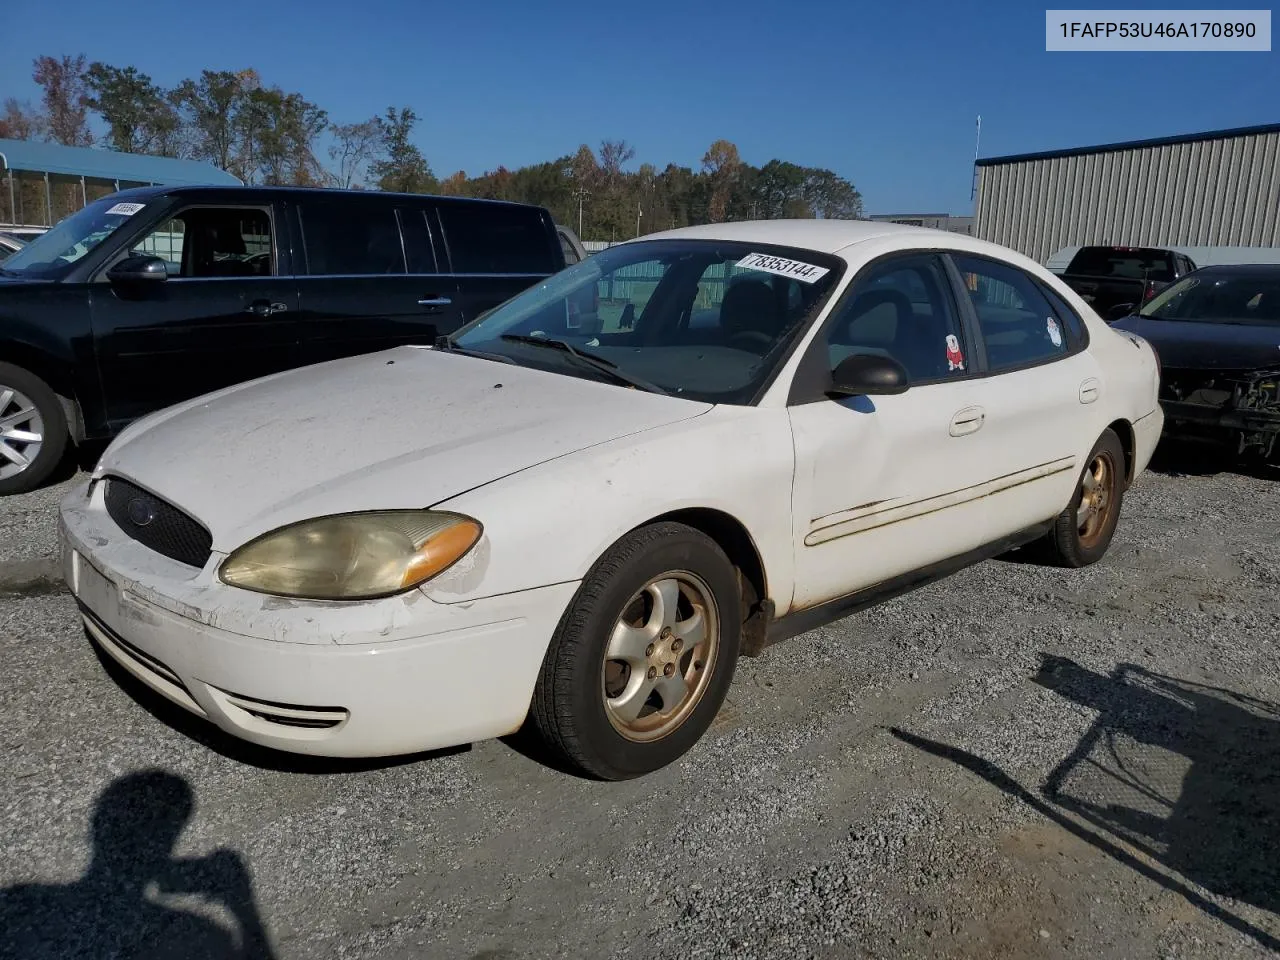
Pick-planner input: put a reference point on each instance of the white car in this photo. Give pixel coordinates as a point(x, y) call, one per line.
point(529, 522)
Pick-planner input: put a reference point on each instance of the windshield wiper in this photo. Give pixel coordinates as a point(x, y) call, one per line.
point(449, 345)
point(599, 364)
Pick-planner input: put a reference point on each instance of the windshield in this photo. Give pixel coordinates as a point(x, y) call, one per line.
point(704, 319)
point(51, 255)
point(1220, 298)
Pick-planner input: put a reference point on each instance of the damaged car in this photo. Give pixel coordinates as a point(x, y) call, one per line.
point(579, 523)
point(1217, 334)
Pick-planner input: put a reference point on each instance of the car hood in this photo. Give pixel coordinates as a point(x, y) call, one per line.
point(1187, 345)
point(401, 429)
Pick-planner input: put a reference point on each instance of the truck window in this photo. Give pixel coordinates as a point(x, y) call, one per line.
point(1127, 263)
point(493, 238)
point(351, 237)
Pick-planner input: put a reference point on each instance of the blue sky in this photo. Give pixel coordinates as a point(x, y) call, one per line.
point(885, 94)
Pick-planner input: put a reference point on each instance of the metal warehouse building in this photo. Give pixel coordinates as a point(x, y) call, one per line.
point(1216, 189)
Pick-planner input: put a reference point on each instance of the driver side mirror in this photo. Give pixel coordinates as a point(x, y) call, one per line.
point(865, 375)
point(138, 269)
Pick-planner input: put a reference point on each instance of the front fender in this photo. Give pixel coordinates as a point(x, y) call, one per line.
point(551, 523)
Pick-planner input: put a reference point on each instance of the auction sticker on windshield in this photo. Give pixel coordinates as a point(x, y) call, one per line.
point(804, 272)
point(127, 209)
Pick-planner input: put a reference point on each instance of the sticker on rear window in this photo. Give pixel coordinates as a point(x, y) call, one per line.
point(955, 357)
point(796, 269)
point(1055, 334)
point(127, 209)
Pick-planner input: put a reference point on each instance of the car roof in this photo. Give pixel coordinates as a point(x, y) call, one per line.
point(835, 236)
point(233, 192)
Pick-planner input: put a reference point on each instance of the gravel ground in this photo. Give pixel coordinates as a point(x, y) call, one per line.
point(1013, 762)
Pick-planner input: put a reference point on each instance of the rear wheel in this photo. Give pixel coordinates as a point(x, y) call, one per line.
point(33, 430)
point(1082, 532)
point(644, 656)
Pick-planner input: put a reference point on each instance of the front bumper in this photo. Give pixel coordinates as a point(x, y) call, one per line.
point(381, 678)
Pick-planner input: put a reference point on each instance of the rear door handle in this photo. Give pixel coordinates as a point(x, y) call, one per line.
point(435, 302)
point(265, 308)
point(1089, 390)
point(969, 420)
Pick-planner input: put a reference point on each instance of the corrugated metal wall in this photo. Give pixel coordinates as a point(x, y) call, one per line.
point(1221, 192)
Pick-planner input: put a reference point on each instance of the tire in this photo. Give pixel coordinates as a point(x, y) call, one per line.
point(1077, 540)
point(583, 698)
point(26, 396)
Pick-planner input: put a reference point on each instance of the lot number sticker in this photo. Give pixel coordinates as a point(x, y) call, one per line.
point(797, 269)
point(127, 209)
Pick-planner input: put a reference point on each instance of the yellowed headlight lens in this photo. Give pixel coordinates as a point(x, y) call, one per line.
point(352, 556)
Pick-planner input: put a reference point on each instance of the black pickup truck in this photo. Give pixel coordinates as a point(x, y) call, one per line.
point(154, 295)
point(1116, 281)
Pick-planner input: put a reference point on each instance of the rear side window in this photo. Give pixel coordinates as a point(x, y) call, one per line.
point(1075, 326)
point(491, 238)
point(1018, 326)
point(351, 238)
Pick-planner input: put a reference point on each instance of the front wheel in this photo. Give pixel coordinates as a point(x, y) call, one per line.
point(643, 657)
point(1082, 532)
point(33, 430)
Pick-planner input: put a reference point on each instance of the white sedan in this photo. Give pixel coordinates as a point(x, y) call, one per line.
point(579, 510)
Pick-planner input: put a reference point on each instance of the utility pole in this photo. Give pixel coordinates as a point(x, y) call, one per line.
point(582, 193)
point(977, 141)
point(639, 214)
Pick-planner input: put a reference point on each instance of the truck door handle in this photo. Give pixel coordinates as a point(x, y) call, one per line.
point(435, 302)
point(265, 308)
point(1089, 390)
point(969, 420)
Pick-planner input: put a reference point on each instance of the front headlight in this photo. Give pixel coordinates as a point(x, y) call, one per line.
point(356, 556)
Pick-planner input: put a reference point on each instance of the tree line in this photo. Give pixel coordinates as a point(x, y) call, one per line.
point(266, 135)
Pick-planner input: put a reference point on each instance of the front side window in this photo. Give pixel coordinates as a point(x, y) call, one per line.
point(1018, 326)
point(1252, 298)
point(351, 238)
point(703, 319)
point(52, 255)
point(209, 242)
point(496, 238)
point(901, 308)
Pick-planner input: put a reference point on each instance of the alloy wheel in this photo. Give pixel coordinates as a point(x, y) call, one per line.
point(21, 432)
point(660, 656)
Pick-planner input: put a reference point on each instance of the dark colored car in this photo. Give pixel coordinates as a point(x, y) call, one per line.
point(1115, 281)
point(1217, 333)
point(156, 295)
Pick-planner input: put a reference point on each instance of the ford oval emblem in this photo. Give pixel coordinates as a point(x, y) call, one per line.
point(141, 513)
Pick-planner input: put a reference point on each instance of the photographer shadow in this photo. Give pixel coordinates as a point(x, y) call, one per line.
point(1171, 772)
point(118, 908)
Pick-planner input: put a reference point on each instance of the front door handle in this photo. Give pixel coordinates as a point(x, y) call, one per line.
point(435, 302)
point(969, 420)
point(1089, 390)
point(265, 308)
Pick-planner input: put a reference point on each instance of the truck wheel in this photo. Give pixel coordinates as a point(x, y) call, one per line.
point(33, 430)
point(1082, 532)
point(644, 655)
